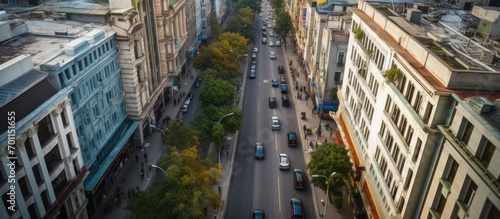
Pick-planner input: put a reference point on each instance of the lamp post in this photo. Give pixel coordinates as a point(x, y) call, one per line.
point(327, 187)
point(218, 122)
point(157, 167)
point(242, 55)
point(159, 129)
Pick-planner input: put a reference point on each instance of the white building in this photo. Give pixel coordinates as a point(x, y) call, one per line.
point(400, 76)
point(39, 137)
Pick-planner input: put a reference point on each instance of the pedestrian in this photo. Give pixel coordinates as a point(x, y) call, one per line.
point(142, 170)
point(175, 102)
point(331, 133)
point(136, 159)
point(129, 195)
point(142, 164)
point(316, 146)
point(142, 175)
point(146, 157)
point(304, 127)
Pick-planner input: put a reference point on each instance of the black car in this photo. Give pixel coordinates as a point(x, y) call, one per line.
point(299, 179)
point(281, 70)
point(199, 79)
point(272, 102)
point(197, 84)
point(264, 34)
point(282, 80)
point(285, 100)
point(292, 138)
point(190, 96)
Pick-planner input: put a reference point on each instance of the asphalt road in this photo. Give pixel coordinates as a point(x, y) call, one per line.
point(260, 184)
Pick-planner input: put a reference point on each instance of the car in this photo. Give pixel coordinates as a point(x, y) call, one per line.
point(256, 50)
point(253, 67)
point(259, 151)
point(260, 14)
point(264, 40)
point(199, 78)
point(197, 84)
point(284, 89)
point(184, 108)
point(291, 138)
point(271, 34)
point(190, 96)
point(187, 101)
point(258, 214)
point(269, 25)
point(267, 18)
point(272, 55)
point(254, 62)
point(281, 69)
point(252, 74)
point(264, 23)
point(274, 82)
point(297, 208)
point(278, 43)
point(264, 28)
point(254, 55)
point(272, 102)
point(283, 161)
point(282, 80)
point(264, 33)
point(275, 123)
point(299, 179)
point(271, 44)
point(285, 101)
point(276, 35)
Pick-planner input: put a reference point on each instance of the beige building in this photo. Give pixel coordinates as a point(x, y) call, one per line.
point(401, 73)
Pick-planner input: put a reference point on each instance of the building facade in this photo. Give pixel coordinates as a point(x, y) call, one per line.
point(400, 76)
point(42, 170)
point(89, 64)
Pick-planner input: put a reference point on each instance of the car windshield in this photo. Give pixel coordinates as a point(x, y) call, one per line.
point(284, 159)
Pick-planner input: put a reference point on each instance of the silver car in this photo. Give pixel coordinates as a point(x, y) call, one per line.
point(283, 161)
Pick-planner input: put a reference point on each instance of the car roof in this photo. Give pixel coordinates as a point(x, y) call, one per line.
point(259, 143)
point(283, 155)
point(275, 117)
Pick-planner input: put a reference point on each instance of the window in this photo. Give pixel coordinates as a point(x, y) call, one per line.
point(416, 152)
point(52, 159)
point(64, 119)
point(45, 130)
point(489, 211)
point(470, 193)
point(452, 171)
point(485, 152)
point(409, 175)
point(340, 58)
point(467, 129)
point(29, 148)
point(441, 203)
point(428, 111)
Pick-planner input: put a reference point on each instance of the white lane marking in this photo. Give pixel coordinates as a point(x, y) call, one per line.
point(194, 108)
point(258, 107)
point(279, 198)
point(276, 140)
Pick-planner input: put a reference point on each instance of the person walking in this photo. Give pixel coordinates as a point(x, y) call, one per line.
point(136, 158)
point(146, 157)
point(142, 175)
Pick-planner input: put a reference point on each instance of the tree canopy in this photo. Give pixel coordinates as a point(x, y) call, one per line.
point(219, 73)
point(283, 24)
point(217, 92)
point(212, 114)
point(181, 137)
point(184, 191)
point(252, 4)
point(218, 53)
point(329, 158)
point(242, 23)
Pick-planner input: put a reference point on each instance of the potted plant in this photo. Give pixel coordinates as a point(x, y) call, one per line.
point(359, 34)
point(393, 73)
point(303, 115)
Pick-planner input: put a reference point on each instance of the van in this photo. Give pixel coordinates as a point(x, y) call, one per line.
point(285, 100)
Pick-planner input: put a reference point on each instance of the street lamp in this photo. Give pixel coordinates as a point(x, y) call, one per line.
point(157, 167)
point(242, 55)
point(159, 129)
point(327, 187)
point(229, 114)
point(218, 122)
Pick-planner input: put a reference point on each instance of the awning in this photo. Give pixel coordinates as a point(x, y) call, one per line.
point(329, 105)
point(193, 49)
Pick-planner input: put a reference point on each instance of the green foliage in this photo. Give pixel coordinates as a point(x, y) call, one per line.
point(283, 24)
point(184, 191)
point(212, 114)
point(252, 4)
point(393, 73)
point(218, 53)
point(218, 134)
point(219, 73)
point(180, 137)
point(242, 23)
point(277, 4)
point(329, 158)
point(333, 94)
point(217, 92)
point(215, 29)
point(359, 34)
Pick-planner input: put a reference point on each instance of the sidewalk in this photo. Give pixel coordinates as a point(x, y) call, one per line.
point(312, 121)
point(129, 177)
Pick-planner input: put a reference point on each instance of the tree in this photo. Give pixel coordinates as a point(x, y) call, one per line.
point(242, 22)
point(180, 137)
point(184, 191)
point(329, 158)
point(237, 43)
point(219, 73)
point(217, 92)
point(277, 4)
point(252, 4)
point(204, 124)
point(215, 28)
point(283, 24)
point(218, 53)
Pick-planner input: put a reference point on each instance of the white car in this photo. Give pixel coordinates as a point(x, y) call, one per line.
point(278, 43)
point(255, 50)
point(269, 26)
point(272, 55)
point(283, 161)
point(275, 123)
point(184, 108)
point(271, 34)
point(271, 43)
point(260, 14)
point(187, 101)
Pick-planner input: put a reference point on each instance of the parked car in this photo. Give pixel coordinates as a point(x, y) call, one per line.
point(256, 50)
point(285, 101)
point(272, 55)
point(281, 70)
point(254, 55)
point(264, 40)
point(197, 84)
point(263, 28)
point(259, 150)
point(187, 101)
point(291, 138)
point(264, 33)
point(252, 74)
point(299, 179)
point(190, 96)
point(283, 161)
point(271, 44)
point(253, 67)
point(278, 43)
point(184, 108)
point(284, 89)
point(258, 214)
point(254, 62)
point(282, 80)
point(271, 34)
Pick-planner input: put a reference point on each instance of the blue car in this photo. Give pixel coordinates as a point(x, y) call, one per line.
point(274, 82)
point(252, 74)
point(284, 89)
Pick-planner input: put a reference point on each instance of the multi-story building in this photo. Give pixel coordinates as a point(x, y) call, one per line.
point(401, 74)
point(465, 176)
point(41, 171)
point(206, 12)
point(194, 15)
